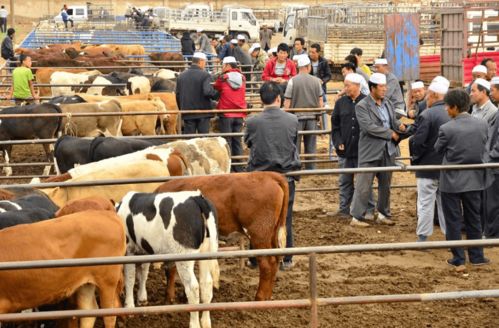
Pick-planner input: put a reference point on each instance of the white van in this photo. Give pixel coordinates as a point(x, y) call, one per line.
point(76, 13)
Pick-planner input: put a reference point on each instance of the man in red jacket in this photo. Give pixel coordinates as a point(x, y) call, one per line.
point(280, 69)
point(232, 87)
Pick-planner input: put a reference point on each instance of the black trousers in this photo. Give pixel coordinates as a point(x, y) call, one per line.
point(459, 208)
point(197, 125)
point(3, 24)
point(233, 125)
point(491, 210)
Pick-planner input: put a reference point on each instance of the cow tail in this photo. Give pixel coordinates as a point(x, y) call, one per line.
point(59, 122)
point(280, 228)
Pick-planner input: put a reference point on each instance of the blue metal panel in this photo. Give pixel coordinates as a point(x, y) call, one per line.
point(402, 45)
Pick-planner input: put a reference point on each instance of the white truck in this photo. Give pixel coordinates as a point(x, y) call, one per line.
point(76, 13)
point(293, 13)
point(230, 20)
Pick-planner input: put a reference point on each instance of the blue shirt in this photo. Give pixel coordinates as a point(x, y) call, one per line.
point(385, 117)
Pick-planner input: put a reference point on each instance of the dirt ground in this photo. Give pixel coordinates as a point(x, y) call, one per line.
point(342, 274)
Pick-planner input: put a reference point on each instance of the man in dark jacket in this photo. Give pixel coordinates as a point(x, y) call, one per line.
point(462, 141)
point(242, 57)
point(320, 68)
point(188, 46)
point(7, 45)
point(423, 153)
point(271, 137)
point(194, 91)
point(491, 202)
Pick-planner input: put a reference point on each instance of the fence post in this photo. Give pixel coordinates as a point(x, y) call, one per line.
point(312, 265)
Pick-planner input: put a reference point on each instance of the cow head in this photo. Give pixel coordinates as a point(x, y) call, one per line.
point(71, 52)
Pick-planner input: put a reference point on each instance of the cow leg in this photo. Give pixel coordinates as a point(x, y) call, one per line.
point(191, 286)
point(110, 298)
point(206, 290)
point(170, 271)
point(49, 153)
point(6, 156)
point(129, 282)
point(268, 270)
point(142, 278)
point(85, 300)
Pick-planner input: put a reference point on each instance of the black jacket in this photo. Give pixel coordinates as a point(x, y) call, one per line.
point(323, 71)
point(7, 49)
point(422, 142)
point(188, 46)
point(271, 137)
point(344, 126)
point(194, 91)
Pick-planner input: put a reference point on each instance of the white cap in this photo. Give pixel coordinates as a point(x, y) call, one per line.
point(199, 55)
point(220, 38)
point(380, 61)
point(378, 78)
point(229, 59)
point(272, 50)
point(479, 69)
point(439, 86)
point(254, 47)
point(303, 61)
point(442, 79)
point(296, 57)
point(199, 30)
point(417, 85)
point(241, 37)
point(484, 83)
point(233, 41)
point(495, 80)
point(354, 78)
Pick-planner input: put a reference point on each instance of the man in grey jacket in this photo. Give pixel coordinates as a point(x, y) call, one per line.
point(271, 137)
point(462, 141)
point(482, 106)
point(393, 92)
point(379, 134)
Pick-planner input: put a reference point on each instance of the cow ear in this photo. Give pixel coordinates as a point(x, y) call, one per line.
point(112, 202)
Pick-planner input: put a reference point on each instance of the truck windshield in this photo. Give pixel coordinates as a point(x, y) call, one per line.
point(249, 17)
point(290, 22)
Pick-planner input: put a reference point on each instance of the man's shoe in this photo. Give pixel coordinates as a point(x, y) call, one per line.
point(485, 261)
point(359, 223)
point(382, 219)
point(422, 238)
point(369, 216)
point(455, 263)
point(339, 214)
point(286, 265)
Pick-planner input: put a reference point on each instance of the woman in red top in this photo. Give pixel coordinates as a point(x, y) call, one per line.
point(232, 88)
point(280, 69)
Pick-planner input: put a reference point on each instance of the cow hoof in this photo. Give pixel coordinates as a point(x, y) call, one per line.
point(157, 266)
point(7, 171)
point(142, 303)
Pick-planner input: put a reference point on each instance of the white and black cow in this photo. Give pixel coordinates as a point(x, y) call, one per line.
point(26, 209)
point(172, 223)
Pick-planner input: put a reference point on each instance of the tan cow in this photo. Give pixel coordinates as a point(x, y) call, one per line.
point(142, 124)
point(82, 235)
point(84, 204)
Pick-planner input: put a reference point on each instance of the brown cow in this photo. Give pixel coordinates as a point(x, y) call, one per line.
point(169, 56)
point(82, 235)
point(85, 204)
point(254, 204)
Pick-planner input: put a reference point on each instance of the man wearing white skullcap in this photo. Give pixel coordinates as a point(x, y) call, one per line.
point(305, 91)
point(345, 134)
point(417, 102)
point(378, 146)
point(393, 92)
point(194, 91)
point(482, 106)
point(258, 59)
point(242, 57)
point(478, 72)
point(423, 153)
point(241, 41)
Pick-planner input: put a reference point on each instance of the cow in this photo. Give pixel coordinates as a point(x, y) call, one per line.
point(166, 74)
point(69, 152)
point(174, 57)
point(43, 76)
point(107, 147)
point(90, 52)
point(92, 126)
point(172, 223)
point(61, 78)
point(253, 204)
point(143, 124)
point(105, 86)
point(87, 234)
point(127, 50)
point(163, 85)
point(84, 204)
point(29, 128)
point(26, 209)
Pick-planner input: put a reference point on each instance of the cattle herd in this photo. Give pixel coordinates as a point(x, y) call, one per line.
point(180, 216)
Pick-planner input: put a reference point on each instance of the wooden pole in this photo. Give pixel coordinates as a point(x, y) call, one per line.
point(12, 19)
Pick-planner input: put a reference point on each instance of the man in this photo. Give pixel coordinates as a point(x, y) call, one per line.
point(22, 89)
point(226, 49)
point(242, 57)
point(280, 69)
point(194, 91)
point(298, 48)
point(357, 52)
point(377, 148)
point(478, 72)
point(355, 61)
point(220, 45)
point(258, 60)
point(345, 134)
point(8, 47)
point(265, 37)
point(423, 153)
point(491, 202)
point(3, 19)
point(462, 141)
point(232, 86)
point(393, 93)
point(241, 42)
point(320, 69)
point(417, 102)
point(349, 68)
point(203, 41)
point(214, 46)
point(188, 47)
point(491, 68)
point(305, 91)
point(271, 137)
point(65, 17)
point(483, 108)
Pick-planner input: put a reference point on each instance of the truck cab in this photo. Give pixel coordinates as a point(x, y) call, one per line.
point(76, 13)
point(243, 21)
point(292, 13)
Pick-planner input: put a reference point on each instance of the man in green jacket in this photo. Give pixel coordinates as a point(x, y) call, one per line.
point(22, 83)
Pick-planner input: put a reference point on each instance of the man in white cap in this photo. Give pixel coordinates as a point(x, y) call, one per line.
point(203, 42)
point(462, 141)
point(483, 108)
point(345, 134)
point(194, 91)
point(231, 85)
point(378, 147)
point(272, 53)
point(226, 49)
point(265, 37)
point(423, 153)
point(417, 102)
point(478, 72)
point(258, 59)
point(305, 91)
point(241, 56)
point(393, 92)
point(241, 41)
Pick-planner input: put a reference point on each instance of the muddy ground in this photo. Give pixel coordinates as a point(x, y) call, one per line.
point(340, 275)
